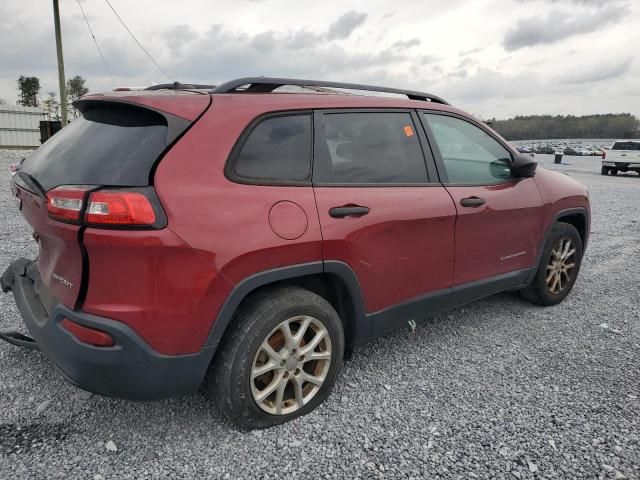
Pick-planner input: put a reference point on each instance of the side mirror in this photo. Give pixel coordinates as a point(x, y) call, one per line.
point(524, 166)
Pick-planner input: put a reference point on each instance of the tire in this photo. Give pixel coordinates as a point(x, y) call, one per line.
point(604, 171)
point(260, 319)
point(546, 293)
point(614, 171)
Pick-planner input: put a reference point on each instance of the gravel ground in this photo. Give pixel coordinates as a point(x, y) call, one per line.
point(496, 389)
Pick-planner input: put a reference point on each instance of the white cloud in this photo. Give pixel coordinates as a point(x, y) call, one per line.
point(455, 50)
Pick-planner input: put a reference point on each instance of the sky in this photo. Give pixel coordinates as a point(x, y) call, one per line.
point(493, 58)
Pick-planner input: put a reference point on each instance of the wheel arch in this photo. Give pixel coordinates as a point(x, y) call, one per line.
point(333, 280)
point(578, 217)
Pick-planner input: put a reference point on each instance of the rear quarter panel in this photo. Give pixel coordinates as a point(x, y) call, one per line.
point(225, 222)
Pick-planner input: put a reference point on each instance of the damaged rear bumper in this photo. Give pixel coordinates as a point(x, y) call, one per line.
point(129, 369)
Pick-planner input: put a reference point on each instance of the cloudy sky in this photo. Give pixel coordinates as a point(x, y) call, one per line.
point(490, 57)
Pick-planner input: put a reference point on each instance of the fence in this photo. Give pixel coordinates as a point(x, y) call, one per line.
point(20, 126)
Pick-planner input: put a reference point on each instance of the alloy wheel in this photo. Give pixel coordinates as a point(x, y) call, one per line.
point(560, 266)
point(291, 365)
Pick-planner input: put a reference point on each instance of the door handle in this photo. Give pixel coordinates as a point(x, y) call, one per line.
point(473, 202)
point(348, 211)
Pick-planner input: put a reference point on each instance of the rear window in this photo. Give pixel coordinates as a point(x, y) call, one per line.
point(277, 150)
point(626, 146)
point(110, 145)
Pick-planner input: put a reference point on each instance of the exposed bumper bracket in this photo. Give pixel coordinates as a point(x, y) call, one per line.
point(18, 339)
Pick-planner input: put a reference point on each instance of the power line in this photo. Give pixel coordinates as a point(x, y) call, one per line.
point(139, 44)
point(97, 45)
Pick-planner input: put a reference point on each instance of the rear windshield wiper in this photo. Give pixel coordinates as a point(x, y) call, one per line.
point(32, 183)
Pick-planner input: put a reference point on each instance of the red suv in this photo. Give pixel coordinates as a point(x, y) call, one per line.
point(253, 232)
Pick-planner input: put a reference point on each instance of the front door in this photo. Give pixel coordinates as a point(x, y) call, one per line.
point(379, 211)
point(499, 216)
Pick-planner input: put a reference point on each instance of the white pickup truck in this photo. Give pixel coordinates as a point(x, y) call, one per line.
point(624, 156)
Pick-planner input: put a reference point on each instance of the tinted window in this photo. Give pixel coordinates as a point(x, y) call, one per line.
point(277, 149)
point(371, 148)
point(109, 145)
point(626, 146)
point(470, 155)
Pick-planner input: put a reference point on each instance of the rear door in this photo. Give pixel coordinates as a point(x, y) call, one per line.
point(380, 212)
point(499, 217)
point(112, 144)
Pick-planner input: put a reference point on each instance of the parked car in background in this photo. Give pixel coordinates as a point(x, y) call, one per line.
point(184, 232)
point(524, 149)
point(623, 156)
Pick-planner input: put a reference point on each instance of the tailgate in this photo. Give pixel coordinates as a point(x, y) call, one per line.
point(60, 255)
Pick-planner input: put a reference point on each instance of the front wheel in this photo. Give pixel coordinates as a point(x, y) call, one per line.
point(558, 268)
point(280, 360)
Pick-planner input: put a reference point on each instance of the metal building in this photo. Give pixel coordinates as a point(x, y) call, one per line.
point(20, 126)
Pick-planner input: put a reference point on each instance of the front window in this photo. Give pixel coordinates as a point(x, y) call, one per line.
point(470, 155)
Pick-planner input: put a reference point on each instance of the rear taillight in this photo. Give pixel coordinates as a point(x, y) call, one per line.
point(65, 203)
point(113, 207)
point(138, 207)
point(604, 155)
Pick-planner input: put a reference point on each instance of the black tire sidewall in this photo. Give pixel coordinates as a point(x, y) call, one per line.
point(232, 377)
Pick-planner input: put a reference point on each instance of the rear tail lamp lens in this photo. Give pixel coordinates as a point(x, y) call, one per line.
point(65, 203)
point(119, 208)
point(104, 207)
point(88, 335)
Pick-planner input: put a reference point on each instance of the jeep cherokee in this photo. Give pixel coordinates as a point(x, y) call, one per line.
point(253, 232)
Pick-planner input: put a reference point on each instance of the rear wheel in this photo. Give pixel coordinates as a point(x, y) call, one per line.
point(614, 171)
point(604, 171)
point(558, 268)
point(280, 360)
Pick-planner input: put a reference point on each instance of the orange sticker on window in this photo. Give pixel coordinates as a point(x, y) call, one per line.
point(408, 131)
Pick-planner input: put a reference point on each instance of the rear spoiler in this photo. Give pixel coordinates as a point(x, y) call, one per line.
point(176, 125)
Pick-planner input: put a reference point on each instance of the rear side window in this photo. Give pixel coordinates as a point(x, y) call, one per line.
point(110, 145)
point(370, 148)
point(277, 150)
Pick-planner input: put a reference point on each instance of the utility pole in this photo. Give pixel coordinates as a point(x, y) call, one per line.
point(61, 81)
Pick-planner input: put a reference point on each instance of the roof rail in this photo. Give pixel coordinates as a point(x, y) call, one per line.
point(268, 84)
point(180, 86)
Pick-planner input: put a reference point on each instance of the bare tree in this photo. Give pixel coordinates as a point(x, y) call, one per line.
point(76, 88)
point(52, 106)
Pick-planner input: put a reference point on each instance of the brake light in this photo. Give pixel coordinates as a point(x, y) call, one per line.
point(88, 335)
point(65, 203)
point(604, 154)
point(115, 207)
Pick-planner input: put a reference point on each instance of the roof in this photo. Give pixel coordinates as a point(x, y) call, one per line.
point(296, 101)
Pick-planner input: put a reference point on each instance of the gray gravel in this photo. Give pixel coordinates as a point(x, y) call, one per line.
point(496, 389)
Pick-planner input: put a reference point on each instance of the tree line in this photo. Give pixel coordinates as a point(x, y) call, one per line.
point(538, 127)
point(29, 95)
